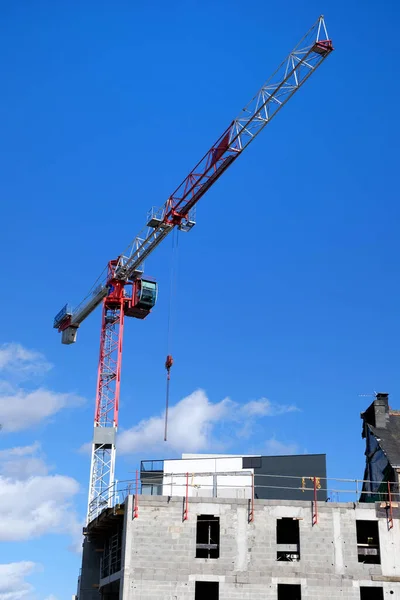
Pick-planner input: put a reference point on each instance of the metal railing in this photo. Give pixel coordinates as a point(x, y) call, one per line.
point(244, 484)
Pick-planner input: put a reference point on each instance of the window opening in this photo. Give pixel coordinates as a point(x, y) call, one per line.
point(368, 542)
point(206, 590)
point(371, 593)
point(110, 591)
point(287, 540)
point(207, 536)
point(151, 489)
point(289, 591)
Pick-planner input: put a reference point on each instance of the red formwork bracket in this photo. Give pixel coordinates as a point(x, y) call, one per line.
point(389, 508)
point(186, 501)
point(135, 512)
point(317, 485)
point(251, 501)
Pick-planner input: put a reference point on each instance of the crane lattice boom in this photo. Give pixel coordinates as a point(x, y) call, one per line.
point(306, 57)
point(125, 292)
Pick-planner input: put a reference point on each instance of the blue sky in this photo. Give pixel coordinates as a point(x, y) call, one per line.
point(287, 286)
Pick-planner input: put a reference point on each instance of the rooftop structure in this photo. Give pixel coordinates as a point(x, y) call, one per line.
point(234, 476)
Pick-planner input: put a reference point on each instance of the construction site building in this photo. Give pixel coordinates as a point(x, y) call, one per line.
point(230, 530)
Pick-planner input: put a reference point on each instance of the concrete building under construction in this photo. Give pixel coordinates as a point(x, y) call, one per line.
point(253, 527)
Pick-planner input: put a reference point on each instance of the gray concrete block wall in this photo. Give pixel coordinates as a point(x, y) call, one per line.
point(160, 548)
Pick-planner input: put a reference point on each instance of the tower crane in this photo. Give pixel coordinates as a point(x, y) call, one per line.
point(124, 290)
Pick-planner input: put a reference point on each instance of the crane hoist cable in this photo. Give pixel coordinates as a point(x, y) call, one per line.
point(173, 285)
point(168, 364)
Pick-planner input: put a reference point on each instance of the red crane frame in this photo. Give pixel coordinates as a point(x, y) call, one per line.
point(177, 211)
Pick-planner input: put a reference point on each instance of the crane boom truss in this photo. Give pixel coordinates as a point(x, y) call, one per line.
point(177, 211)
point(306, 57)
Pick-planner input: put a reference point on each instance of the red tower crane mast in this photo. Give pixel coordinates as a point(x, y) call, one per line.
point(123, 289)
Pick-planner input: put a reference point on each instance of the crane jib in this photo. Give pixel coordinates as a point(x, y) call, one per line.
point(201, 187)
point(288, 78)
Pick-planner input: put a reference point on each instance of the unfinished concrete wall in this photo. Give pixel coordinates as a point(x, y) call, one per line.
point(160, 554)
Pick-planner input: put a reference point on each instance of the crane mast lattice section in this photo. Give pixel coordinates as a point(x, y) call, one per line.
point(102, 469)
point(133, 298)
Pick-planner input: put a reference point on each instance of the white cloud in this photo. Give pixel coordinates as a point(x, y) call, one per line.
point(191, 424)
point(266, 408)
point(17, 359)
point(51, 597)
point(86, 448)
point(35, 506)
point(274, 447)
point(33, 502)
point(22, 462)
point(21, 409)
point(12, 580)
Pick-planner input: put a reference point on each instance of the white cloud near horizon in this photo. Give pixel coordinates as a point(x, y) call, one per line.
point(265, 408)
point(17, 359)
point(22, 408)
point(35, 506)
point(275, 447)
point(13, 584)
point(22, 462)
point(191, 424)
point(33, 502)
point(12, 580)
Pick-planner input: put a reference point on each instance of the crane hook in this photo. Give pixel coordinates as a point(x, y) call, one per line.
point(168, 364)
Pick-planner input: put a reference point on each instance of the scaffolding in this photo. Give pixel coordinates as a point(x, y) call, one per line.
point(111, 560)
